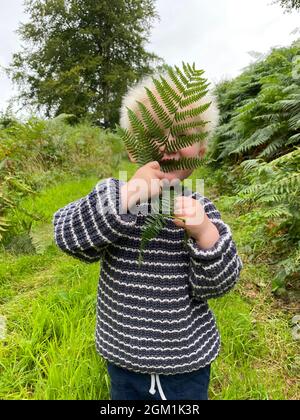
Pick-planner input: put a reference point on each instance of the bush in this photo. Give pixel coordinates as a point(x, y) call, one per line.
point(39, 153)
point(274, 193)
point(260, 110)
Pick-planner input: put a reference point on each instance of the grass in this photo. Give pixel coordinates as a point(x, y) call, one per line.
point(49, 302)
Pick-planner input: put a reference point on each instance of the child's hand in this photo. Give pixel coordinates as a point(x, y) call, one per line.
point(197, 223)
point(145, 183)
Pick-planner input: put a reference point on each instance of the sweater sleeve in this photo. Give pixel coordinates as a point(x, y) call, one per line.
point(85, 227)
point(214, 271)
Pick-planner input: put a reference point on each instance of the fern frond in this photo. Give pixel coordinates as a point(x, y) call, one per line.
point(191, 113)
point(259, 137)
point(153, 128)
point(195, 89)
point(163, 116)
point(294, 122)
point(187, 71)
point(192, 99)
point(272, 147)
point(166, 97)
point(249, 165)
point(150, 229)
point(176, 80)
point(294, 139)
point(182, 77)
point(130, 142)
point(183, 141)
point(157, 220)
point(137, 126)
point(170, 91)
point(183, 163)
point(181, 128)
point(148, 151)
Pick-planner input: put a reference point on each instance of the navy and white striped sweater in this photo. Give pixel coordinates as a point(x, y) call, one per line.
point(153, 318)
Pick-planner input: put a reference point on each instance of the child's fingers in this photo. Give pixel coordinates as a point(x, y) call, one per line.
point(184, 199)
point(154, 165)
point(179, 223)
point(182, 203)
point(160, 175)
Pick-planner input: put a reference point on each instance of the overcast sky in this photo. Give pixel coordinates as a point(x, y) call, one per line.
point(216, 34)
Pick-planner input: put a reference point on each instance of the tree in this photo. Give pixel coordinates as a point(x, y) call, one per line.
point(79, 56)
point(289, 5)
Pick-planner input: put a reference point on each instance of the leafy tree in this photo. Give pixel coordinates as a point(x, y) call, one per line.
point(79, 56)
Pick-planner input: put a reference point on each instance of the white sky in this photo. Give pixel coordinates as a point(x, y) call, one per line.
point(217, 34)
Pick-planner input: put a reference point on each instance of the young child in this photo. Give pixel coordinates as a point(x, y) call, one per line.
point(154, 325)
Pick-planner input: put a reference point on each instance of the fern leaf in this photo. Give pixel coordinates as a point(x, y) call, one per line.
point(191, 113)
point(166, 117)
point(182, 77)
point(174, 96)
point(187, 71)
point(165, 96)
point(150, 229)
point(130, 142)
point(137, 126)
point(154, 129)
point(183, 141)
point(183, 163)
point(194, 98)
point(198, 87)
point(181, 128)
point(176, 80)
point(163, 116)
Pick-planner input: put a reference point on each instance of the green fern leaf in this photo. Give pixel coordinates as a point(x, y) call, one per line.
point(168, 117)
point(166, 120)
point(191, 113)
point(176, 80)
point(182, 77)
point(183, 163)
point(181, 128)
point(183, 141)
point(166, 97)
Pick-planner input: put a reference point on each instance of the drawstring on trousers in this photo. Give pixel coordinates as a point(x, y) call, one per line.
point(152, 389)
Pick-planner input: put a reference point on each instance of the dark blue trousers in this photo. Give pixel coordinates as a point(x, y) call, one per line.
point(129, 385)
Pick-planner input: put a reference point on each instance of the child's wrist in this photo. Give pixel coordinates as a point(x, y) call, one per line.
point(207, 235)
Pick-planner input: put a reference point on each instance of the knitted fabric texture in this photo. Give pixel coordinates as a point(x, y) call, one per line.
point(154, 318)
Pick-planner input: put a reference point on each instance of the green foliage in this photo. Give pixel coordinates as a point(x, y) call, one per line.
point(274, 192)
point(170, 114)
point(39, 153)
point(79, 56)
point(260, 110)
point(257, 144)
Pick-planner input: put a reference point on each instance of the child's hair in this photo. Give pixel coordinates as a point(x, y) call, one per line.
point(138, 93)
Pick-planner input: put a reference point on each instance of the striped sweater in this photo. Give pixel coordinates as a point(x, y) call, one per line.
point(154, 318)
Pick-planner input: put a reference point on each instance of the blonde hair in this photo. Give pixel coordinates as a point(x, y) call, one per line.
point(138, 93)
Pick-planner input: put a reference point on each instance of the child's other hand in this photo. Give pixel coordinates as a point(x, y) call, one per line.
point(197, 223)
